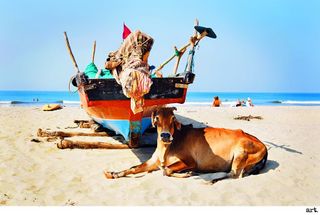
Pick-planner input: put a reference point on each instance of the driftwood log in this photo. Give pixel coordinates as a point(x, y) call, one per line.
point(62, 134)
point(247, 118)
point(69, 144)
point(98, 131)
point(84, 123)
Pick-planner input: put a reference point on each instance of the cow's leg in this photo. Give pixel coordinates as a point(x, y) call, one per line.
point(237, 166)
point(150, 165)
point(178, 166)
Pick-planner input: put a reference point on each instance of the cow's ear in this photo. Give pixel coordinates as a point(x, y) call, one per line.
point(154, 118)
point(173, 108)
point(177, 124)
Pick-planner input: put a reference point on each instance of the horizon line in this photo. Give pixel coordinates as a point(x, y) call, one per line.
point(190, 91)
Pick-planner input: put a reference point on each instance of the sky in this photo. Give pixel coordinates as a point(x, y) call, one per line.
point(261, 46)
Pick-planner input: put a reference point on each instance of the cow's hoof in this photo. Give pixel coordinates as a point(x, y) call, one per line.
point(189, 174)
point(108, 175)
point(167, 171)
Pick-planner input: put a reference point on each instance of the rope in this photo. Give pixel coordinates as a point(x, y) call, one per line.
point(70, 80)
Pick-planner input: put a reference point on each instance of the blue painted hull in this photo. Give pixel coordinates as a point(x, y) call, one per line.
point(124, 127)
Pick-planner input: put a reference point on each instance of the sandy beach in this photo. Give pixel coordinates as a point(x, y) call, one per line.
point(34, 173)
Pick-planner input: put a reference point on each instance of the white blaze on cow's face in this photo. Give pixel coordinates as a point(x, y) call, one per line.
point(165, 121)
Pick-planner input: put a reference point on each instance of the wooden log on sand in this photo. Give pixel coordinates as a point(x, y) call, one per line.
point(69, 144)
point(42, 133)
point(84, 123)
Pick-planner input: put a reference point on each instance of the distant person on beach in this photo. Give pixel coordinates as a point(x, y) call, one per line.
point(239, 103)
point(249, 103)
point(216, 102)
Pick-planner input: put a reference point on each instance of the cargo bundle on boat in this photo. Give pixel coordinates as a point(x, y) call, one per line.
point(122, 96)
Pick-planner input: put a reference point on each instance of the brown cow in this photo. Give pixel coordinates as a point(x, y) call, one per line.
point(184, 148)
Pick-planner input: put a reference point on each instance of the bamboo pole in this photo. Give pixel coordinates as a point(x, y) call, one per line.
point(167, 61)
point(197, 38)
point(93, 51)
point(70, 52)
point(196, 23)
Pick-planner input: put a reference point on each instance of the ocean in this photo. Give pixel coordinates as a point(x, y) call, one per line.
point(259, 99)
point(39, 98)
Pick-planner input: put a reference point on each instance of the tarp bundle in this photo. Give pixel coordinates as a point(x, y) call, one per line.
point(91, 71)
point(130, 68)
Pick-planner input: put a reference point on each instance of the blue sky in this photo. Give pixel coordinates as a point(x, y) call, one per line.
point(261, 46)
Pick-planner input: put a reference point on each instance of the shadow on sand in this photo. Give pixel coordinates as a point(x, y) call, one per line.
point(209, 177)
point(284, 147)
point(270, 165)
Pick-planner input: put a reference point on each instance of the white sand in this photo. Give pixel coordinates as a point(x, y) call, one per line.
point(41, 174)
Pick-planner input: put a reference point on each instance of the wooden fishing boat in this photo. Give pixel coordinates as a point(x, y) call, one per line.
point(105, 103)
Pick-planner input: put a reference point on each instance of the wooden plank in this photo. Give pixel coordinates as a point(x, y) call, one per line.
point(184, 86)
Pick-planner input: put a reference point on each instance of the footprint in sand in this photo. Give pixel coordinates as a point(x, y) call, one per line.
point(70, 202)
point(4, 198)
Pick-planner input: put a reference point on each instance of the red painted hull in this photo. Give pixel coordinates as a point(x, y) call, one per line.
point(104, 102)
point(120, 109)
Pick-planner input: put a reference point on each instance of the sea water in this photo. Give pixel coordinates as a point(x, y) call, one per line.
point(260, 99)
point(38, 98)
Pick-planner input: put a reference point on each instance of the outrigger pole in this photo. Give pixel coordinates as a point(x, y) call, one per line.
point(71, 54)
point(203, 32)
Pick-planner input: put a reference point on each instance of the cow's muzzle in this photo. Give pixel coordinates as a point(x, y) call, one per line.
point(166, 137)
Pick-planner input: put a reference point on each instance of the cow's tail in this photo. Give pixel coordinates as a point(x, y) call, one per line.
point(258, 166)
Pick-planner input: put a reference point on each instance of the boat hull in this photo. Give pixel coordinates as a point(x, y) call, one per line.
point(105, 103)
